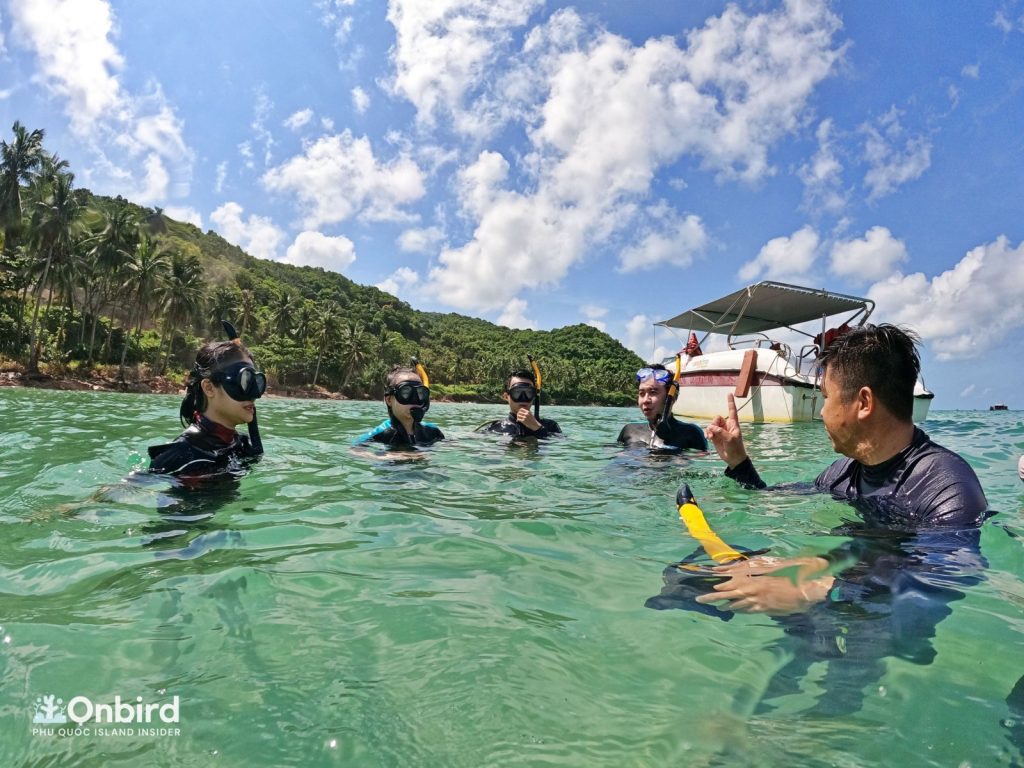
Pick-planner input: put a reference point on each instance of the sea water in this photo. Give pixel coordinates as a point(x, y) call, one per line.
point(481, 606)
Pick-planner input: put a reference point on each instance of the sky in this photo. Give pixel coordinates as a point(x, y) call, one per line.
point(539, 164)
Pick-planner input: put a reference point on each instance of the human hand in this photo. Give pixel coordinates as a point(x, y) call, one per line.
point(525, 417)
point(727, 438)
point(750, 589)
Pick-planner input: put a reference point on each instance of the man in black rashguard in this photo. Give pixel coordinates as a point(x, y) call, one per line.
point(661, 430)
point(893, 474)
point(520, 421)
point(914, 549)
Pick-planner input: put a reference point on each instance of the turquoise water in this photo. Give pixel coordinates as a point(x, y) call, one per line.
point(484, 606)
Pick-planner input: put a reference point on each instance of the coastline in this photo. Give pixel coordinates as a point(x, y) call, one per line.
point(152, 385)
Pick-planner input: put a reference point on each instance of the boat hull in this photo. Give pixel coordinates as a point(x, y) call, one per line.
point(777, 393)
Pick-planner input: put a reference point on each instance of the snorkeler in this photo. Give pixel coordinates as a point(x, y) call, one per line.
point(655, 395)
point(407, 397)
point(220, 393)
point(894, 475)
point(522, 390)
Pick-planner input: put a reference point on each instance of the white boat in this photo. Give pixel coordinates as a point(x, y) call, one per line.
point(772, 380)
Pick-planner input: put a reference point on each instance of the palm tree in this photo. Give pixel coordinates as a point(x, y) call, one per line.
point(224, 305)
point(282, 313)
point(354, 344)
point(327, 319)
point(18, 162)
point(305, 319)
point(111, 250)
point(146, 270)
point(54, 223)
point(182, 294)
point(247, 307)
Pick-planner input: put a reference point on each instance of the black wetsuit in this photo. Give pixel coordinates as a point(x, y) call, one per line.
point(670, 433)
point(924, 485)
point(510, 426)
point(205, 448)
point(391, 432)
point(915, 550)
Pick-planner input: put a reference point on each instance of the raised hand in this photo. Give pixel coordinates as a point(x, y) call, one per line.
point(726, 436)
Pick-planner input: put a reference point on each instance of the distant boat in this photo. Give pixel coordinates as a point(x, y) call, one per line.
point(998, 407)
point(771, 381)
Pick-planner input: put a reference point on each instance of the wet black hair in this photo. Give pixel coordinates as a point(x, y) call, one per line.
point(522, 373)
point(212, 356)
point(396, 375)
point(883, 357)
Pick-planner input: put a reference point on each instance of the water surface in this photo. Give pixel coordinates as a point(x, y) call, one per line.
point(483, 606)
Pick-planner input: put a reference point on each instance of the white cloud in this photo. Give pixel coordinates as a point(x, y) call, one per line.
point(968, 390)
point(672, 239)
point(222, 175)
point(314, 249)
point(338, 177)
point(257, 235)
point(420, 240)
point(185, 213)
point(327, 124)
point(1002, 22)
point(640, 338)
point(400, 282)
point(973, 71)
point(965, 310)
point(870, 258)
point(822, 176)
point(787, 259)
point(261, 111)
point(893, 158)
point(514, 315)
point(360, 100)
point(299, 119)
point(245, 150)
point(443, 49)
point(78, 63)
point(593, 315)
point(740, 85)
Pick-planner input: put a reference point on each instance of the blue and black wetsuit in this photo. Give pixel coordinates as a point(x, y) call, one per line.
point(669, 434)
point(205, 448)
point(510, 426)
point(391, 432)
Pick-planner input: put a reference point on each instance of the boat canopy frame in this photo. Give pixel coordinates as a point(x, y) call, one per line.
point(770, 305)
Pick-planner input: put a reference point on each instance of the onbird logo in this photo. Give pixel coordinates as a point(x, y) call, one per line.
point(49, 711)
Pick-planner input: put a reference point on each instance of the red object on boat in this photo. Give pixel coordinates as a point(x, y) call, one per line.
point(692, 348)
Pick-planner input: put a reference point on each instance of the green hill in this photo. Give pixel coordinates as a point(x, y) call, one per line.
point(306, 326)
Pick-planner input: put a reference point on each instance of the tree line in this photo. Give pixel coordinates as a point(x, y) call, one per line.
point(93, 285)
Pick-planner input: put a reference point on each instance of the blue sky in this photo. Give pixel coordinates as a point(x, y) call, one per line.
point(546, 163)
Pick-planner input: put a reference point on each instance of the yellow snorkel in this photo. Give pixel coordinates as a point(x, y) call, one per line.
point(421, 372)
point(697, 525)
point(536, 396)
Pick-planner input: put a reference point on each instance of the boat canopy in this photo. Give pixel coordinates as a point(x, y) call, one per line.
point(768, 305)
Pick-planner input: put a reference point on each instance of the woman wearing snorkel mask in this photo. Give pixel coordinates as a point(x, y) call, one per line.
point(221, 391)
point(407, 397)
point(520, 421)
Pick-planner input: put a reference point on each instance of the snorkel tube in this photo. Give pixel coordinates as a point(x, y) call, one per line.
point(254, 427)
point(417, 413)
point(697, 525)
point(536, 395)
point(672, 390)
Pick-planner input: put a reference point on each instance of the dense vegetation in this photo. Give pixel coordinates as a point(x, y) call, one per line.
point(94, 284)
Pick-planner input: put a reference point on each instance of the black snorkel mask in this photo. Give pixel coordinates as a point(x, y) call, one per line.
point(412, 393)
point(241, 381)
point(522, 393)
